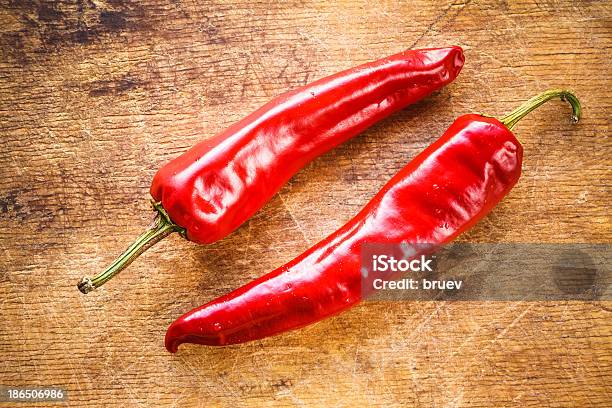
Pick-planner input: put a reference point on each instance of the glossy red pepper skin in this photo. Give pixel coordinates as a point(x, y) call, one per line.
point(221, 182)
point(441, 193)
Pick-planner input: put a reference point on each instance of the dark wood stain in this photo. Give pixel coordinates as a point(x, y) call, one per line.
point(113, 20)
point(10, 206)
point(48, 12)
point(114, 87)
point(52, 25)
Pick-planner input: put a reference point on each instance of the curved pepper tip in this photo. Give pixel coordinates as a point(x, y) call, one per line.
point(183, 331)
point(178, 334)
point(172, 346)
point(172, 340)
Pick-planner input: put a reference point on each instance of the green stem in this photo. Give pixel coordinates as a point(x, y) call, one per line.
point(162, 227)
point(519, 113)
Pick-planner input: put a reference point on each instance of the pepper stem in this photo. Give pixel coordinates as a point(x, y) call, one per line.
point(519, 113)
point(161, 227)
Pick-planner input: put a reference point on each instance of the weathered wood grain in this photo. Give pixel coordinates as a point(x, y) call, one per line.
point(95, 95)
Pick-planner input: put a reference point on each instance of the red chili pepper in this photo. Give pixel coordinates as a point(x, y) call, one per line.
point(210, 190)
point(443, 192)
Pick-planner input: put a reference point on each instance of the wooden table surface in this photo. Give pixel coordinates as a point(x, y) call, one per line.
point(96, 95)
